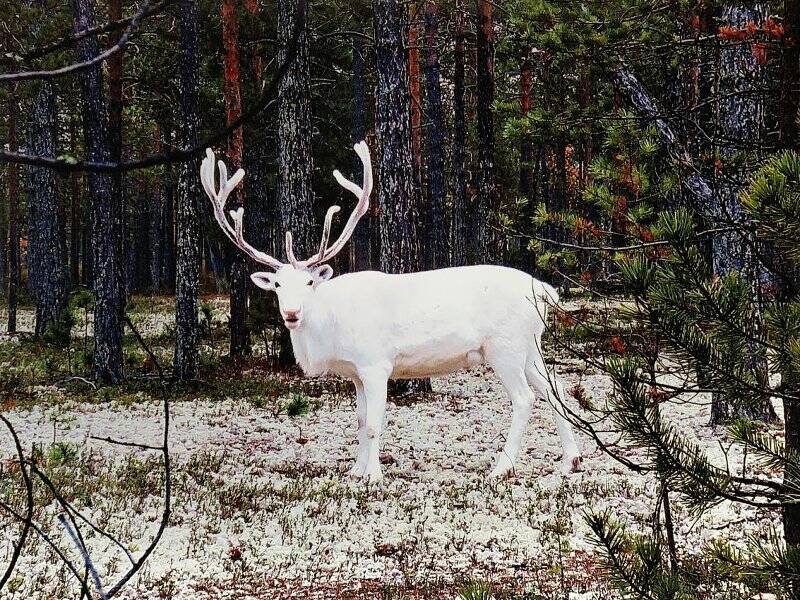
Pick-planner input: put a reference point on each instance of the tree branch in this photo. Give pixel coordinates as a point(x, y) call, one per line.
point(171, 156)
point(81, 66)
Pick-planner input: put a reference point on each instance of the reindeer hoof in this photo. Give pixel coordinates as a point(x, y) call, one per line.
point(571, 464)
point(503, 468)
point(357, 472)
point(373, 476)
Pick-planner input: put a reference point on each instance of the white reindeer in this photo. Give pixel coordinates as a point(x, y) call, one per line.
point(371, 327)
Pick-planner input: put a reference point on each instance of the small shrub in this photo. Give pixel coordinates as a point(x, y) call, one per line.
point(59, 333)
point(476, 590)
point(206, 318)
point(297, 405)
point(62, 453)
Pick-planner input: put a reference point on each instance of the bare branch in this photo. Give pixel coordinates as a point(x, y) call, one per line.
point(172, 156)
point(27, 520)
point(81, 66)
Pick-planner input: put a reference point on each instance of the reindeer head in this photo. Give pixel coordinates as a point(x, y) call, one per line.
point(295, 280)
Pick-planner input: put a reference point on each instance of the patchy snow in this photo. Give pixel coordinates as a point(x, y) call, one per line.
point(262, 502)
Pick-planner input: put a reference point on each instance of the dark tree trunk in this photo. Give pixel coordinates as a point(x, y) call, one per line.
point(295, 158)
point(397, 194)
point(695, 185)
point(438, 239)
point(458, 219)
point(790, 99)
point(105, 212)
point(187, 273)
point(75, 219)
point(361, 238)
point(12, 172)
point(47, 263)
point(791, 416)
point(415, 102)
point(3, 248)
point(237, 277)
point(141, 241)
point(156, 237)
point(154, 228)
point(790, 74)
point(526, 148)
point(527, 260)
point(741, 127)
point(486, 199)
point(115, 107)
point(168, 230)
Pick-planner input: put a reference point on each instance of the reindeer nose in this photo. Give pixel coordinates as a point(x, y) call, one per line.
point(292, 314)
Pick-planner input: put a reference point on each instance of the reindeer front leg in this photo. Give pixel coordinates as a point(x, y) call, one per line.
point(374, 381)
point(362, 453)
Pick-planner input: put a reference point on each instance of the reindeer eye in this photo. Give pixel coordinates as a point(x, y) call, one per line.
point(311, 282)
point(277, 285)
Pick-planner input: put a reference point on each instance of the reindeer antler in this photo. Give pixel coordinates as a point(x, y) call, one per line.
point(218, 198)
point(326, 252)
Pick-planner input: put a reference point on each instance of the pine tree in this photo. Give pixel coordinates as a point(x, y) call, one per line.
point(237, 271)
point(106, 260)
point(48, 274)
point(187, 226)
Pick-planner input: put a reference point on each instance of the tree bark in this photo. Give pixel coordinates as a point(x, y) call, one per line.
point(168, 230)
point(438, 240)
point(237, 277)
point(458, 219)
point(790, 99)
point(486, 199)
point(361, 237)
point(75, 219)
point(694, 183)
point(397, 195)
point(188, 250)
point(527, 260)
point(295, 157)
point(415, 101)
point(741, 127)
point(115, 108)
point(12, 172)
point(789, 90)
point(47, 253)
point(108, 284)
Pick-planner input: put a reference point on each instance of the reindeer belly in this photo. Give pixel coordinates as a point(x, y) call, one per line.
point(434, 362)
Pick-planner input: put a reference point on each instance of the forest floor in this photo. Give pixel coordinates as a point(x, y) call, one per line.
point(262, 506)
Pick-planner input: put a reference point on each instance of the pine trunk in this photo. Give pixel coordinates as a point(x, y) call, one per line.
point(438, 240)
point(458, 218)
point(790, 100)
point(361, 237)
point(168, 231)
point(75, 219)
point(237, 277)
point(789, 90)
point(115, 108)
point(527, 260)
point(12, 174)
point(486, 199)
point(108, 365)
point(47, 253)
point(741, 127)
point(397, 195)
point(187, 268)
point(415, 101)
point(295, 158)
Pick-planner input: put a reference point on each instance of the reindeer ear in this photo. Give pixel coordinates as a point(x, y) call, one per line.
point(264, 280)
point(323, 272)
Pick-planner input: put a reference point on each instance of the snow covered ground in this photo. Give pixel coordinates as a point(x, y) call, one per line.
point(263, 507)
